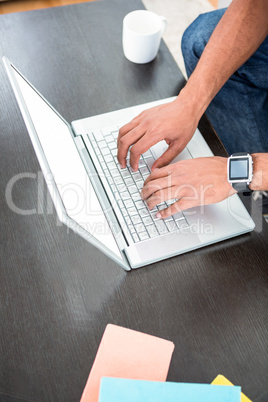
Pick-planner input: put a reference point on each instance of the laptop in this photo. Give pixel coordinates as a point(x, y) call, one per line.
point(100, 201)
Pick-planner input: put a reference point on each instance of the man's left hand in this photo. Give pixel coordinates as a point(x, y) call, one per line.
point(192, 182)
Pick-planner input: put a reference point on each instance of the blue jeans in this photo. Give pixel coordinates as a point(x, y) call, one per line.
point(239, 112)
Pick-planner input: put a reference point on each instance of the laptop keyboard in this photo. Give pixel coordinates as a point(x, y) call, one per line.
point(126, 186)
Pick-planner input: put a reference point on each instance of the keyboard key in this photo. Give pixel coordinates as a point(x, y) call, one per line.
point(135, 237)
point(143, 212)
point(182, 224)
point(136, 197)
point(147, 220)
point(108, 158)
point(103, 164)
point(131, 229)
point(140, 228)
point(102, 144)
point(139, 185)
point(115, 172)
point(141, 163)
point(161, 226)
point(115, 134)
point(124, 212)
point(125, 195)
point(170, 218)
point(98, 135)
point(129, 203)
point(132, 189)
point(139, 204)
point(118, 180)
point(136, 219)
point(143, 236)
point(120, 203)
point(128, 220)
point(132, 211)
point(161, 206)
point(109, 138)
point(111, 165)
point(178, 215)
point(105, 151)
point(153, 215)
point(137, 176)
point(151, 229)
point(121, 188)
point(171, 225)
point(129, 181)
point(145, 176)
point(125, 173)
point(144, 170)
point(94, 144)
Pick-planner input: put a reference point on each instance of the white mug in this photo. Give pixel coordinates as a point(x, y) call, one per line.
point(142, 32)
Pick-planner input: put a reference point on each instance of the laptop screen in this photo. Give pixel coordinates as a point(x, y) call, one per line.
point(66, 176)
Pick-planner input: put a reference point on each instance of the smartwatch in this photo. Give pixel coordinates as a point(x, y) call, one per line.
point(240, 172)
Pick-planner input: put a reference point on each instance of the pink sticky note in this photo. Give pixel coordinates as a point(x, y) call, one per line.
point(125, 353)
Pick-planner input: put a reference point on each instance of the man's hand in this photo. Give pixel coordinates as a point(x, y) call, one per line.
point(173, 122)
point(192, 182)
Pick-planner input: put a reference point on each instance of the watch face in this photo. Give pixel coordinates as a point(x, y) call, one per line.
point(239, 169)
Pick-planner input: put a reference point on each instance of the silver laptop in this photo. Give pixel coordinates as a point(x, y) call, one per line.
point(100, 201)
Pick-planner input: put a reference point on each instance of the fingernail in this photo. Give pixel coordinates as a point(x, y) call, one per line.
point(158, 215)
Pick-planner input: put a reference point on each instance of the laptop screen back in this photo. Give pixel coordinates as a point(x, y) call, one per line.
point(62, 166)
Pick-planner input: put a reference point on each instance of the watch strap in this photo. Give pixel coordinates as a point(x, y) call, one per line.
point(241, 187)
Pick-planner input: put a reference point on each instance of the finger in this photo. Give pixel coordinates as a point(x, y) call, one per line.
point(156, 186)
point(171, 210)
point(125, 142)
point(158, 173)
point(142, 145)
point(125, 129)
point(128, 127)
point(166, 158)
point(158, 197)
point(180, 205)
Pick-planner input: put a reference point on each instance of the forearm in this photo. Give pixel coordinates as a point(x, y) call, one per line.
point(260, 172)
point(238, 35)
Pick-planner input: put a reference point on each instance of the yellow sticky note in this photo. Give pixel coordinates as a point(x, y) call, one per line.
point(221, 380)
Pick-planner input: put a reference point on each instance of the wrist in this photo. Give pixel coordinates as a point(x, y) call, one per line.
point(195, 99)
point(260, 172)
point(199, 90)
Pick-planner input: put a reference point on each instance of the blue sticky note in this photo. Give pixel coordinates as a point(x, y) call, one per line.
point(123, 390)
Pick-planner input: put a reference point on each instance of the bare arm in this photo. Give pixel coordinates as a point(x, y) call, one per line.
point(241, 30)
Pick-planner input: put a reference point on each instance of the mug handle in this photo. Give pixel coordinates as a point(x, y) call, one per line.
point(164, 24)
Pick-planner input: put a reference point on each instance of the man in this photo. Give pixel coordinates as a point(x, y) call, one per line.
point(228, 69)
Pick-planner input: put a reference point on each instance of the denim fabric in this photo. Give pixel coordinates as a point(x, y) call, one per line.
point(239, 112)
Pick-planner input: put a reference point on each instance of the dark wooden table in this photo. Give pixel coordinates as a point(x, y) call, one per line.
point(58, 293)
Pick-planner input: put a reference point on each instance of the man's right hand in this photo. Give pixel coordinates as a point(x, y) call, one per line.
point(173, 122)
